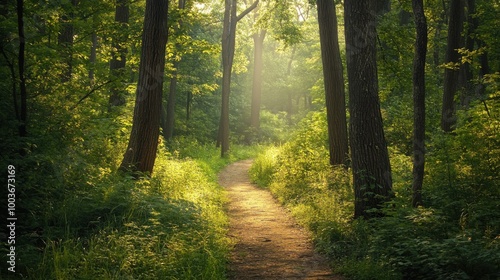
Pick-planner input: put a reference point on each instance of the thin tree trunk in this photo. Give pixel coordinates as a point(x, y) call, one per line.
point(168, 130)
point(334, 83)
point(455, 26)
point(119, 55)
point(228, 48)
point(143, 143)
point(419, 102)
point(189, 100)
point(93, 58)
point(370, 159)
point(65, 41)
point(228, 45)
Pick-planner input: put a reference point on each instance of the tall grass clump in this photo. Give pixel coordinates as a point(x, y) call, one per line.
point(82, 219)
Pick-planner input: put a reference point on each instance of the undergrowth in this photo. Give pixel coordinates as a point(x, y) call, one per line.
point(456, 235)
point(82, 219)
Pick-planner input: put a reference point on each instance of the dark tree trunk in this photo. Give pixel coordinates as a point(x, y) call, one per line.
point(189, 100)
point(93, 58)
point(419, 102)
point(228, 45)
point(119, 55)
point(383, 6)
point(65, 40)
point(23, 112)
point(168, 129)
point(455, 26)
point(334, 83)
point(258, 39)
point(370, 159)
point(141, 151)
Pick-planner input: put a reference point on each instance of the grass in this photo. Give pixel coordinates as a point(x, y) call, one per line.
point(455, 236)
point(93, 223)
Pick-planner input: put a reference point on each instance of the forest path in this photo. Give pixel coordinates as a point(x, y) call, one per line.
point(269, 243)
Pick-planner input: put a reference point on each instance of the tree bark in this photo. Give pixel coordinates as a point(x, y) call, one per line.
point(93, 58)
point(141, 151)
point(119, 54)
point(370, 160)
point(189, 100)
point(228, 45)
point(334, 83)
point(419, 101)
point(228, 48)
point(65, 40)
point(455, 26)
point(168, 129)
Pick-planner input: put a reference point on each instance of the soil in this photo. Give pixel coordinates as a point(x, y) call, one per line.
point(269, 244)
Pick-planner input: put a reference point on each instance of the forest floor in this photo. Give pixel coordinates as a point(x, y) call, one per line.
point(269, 244)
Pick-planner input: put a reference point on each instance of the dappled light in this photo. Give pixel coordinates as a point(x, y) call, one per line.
point(250, 139)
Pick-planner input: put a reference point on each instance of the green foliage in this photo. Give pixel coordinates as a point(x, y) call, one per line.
point(263, 167)
point(456, 234)
point(91, 222)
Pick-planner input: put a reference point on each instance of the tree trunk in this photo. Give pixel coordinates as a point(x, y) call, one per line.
point(141, 151)
point(23, 112)
point(189, 100)
point(65, 41)
point(93, 58)
point(370, 160)
point(258, 39)
point(228, 48)
point(419, 102)
point(228, 45)
point(334, 83)
point(455, 26)
point(119, 54)
point(168, 130)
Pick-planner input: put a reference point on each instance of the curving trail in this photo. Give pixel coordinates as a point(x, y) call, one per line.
point(269, 244)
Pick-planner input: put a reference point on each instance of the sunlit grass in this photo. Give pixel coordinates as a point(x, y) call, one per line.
point(453, 236)
point(168, 226)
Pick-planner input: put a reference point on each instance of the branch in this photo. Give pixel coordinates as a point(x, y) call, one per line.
point(89, 93)
point(248, 10)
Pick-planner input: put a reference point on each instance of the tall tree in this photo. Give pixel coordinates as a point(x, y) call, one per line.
point(419, 101)
point(143, 143)
point(168, 123)
point(119, 53)
point(66, 39)
point(228, 48)
point(93, 52)
point(451, 73)
point(334, 82)
point(370, 159)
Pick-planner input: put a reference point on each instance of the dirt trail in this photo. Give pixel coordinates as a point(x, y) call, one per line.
point(269, 244)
